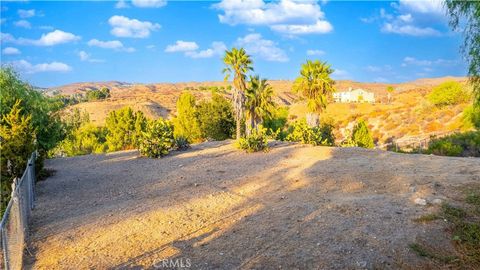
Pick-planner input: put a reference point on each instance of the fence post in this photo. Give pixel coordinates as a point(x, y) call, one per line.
point(5, 249)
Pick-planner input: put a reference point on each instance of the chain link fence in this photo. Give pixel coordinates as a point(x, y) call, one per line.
point(14, 224)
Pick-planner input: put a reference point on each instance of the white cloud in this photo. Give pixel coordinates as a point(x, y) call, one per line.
point(410, 30)
point(122, 4)
point(315, 52)
point(182, 46)
point(191, 49)
point(217, 49)
point(126, 27)
point(266, 49)
point(424, 6)
point(113, 45)
point(86, 57)
point(414, 18)
point(149, 3)
point(412, 61)
point(23, 23)
point(287, 16)
point(50, 39)
point(23, 13)
point(11, 51)
point(26, 67)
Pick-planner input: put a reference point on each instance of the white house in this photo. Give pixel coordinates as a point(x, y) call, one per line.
point(354, 96)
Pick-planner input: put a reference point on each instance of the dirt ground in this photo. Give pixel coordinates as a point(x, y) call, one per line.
point(214, 207)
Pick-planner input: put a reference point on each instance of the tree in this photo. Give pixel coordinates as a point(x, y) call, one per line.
point(390, 91)
point(124, 128)
point(470, 11)
point(186, 124)
point(44, 111)
point(361, 135)
point(239, 63)
point(315, 85)
point(259, 102)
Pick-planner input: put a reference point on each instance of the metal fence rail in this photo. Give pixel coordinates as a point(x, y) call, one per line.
point(14, 224)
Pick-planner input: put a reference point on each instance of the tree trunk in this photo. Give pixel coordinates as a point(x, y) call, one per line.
point(238, 102)
point(312, 119)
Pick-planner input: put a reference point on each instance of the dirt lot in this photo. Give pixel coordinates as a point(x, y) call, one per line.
point(214, 207)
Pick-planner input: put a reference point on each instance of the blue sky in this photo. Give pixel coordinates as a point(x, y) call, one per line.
point(59, 42)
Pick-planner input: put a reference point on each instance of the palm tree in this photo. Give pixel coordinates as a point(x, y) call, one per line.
point(239, 63)
point(259, 102)
point(316, 86)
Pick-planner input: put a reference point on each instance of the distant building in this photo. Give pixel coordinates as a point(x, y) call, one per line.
point(354, 96)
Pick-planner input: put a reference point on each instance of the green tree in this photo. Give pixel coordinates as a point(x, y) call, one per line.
point(361, 135)
point(216, 118)
point(84, 140)
point(465, 16)
point(187, 124)
point(239, 63)
point(122, 129)
point(259, 102)
point(448, 93)
point(45, 111)
point(16, 145)
point(316, 86)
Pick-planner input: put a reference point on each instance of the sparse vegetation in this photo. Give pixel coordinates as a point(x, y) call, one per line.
point(448, 93)
point(459, 144)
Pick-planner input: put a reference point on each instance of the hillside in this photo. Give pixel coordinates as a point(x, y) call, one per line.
point(298, 207)
point(408, 116)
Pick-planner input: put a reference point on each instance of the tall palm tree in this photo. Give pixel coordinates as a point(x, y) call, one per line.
point(238, 63)
point(316, 86)
point(259, 102)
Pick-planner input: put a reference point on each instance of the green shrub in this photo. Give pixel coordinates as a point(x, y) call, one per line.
point(459, 144)
point(301, 132)
point(124, 129)
point(276, 123)
point(93, 95)
point(158, 139)
point(448, 93)
point(187, 124)
point(471, 117)
point(181, 143)
point(256, 141)
point(84, 140)
point(216, 118)
point(361, 136)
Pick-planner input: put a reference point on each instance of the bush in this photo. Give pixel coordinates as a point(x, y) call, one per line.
point(83, 140)
point(216, 118)
point(124, 129)
point(361, 136)
point(256, 141)
point(301, 132)
point(158, 139)
point(276, 123)
point(181, 143)
point(459, 144)
point(471, 117)
point(448, 93)
point(93, 95)
point(187, 124)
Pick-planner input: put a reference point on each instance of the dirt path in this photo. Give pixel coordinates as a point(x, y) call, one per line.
point(214, 207)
